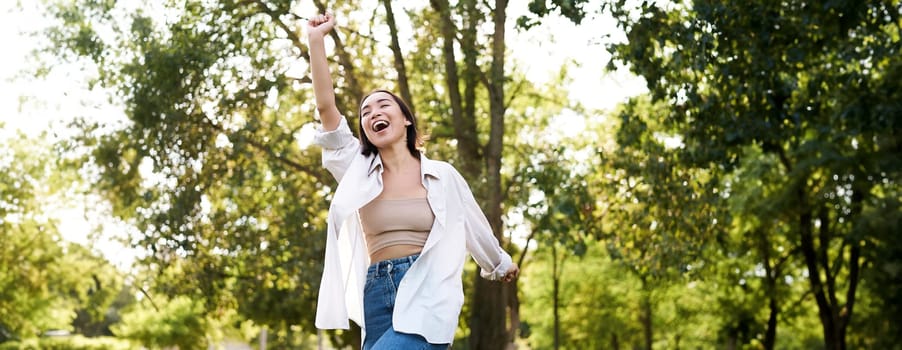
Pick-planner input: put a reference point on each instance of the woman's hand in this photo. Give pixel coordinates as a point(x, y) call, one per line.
point(511, 274)
point(320, 25)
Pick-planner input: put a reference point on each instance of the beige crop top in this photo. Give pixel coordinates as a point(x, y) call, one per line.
point(388, 222)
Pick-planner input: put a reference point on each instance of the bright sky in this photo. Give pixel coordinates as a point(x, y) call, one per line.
point(32, 106)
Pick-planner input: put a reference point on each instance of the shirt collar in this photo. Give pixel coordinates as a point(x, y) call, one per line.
point(427, 166)
point(375, 163)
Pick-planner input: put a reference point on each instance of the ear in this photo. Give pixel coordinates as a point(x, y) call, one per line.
point(407, 122)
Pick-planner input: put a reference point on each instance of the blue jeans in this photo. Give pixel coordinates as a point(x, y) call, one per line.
point(382, 280)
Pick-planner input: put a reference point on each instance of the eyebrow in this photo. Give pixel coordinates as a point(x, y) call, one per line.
point(377, 102)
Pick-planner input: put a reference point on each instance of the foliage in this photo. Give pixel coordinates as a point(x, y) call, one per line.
point(755, 188)
point(558, 212)
point(780, 92)
point(597, 302)
point(657, 217)
point(571, 9)
point(98, 288)
point(206, 168)
point(661, 214)
point(792, 107)
point(30, 259)
point(165, 323)
point(601, 303)
point(45, 282)
point(881, 304)
point(75, 342)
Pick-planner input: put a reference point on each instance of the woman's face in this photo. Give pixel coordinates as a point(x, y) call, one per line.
point(382, 120)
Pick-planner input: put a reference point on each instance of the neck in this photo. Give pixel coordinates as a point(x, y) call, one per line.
point(397, 158)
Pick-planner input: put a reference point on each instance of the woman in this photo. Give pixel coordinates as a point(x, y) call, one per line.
point(400, 224)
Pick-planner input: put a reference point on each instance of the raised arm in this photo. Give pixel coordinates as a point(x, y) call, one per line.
point(317, 29)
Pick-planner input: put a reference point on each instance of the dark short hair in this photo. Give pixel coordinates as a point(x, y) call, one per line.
point(413, 139)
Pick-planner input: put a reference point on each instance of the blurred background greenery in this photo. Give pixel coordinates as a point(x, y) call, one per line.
point(668, 174)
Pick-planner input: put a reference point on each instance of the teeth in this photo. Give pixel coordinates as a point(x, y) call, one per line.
point(380, 125)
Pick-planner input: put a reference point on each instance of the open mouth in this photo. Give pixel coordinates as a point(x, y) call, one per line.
point(380, 125)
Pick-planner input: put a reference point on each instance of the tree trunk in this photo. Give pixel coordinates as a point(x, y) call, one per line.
point(493, 335)
point(845, 313)
point(731, 341)
point(488, 328)
point(814, 275)
point(829, 312)
point(555, 295)
point(513, 302)
point(770, 335)
point(771, 273)
point(487, 320)
point(403, 86)
point(471, 74)
point(834, 316)
point(645, 316)
point(464, 125)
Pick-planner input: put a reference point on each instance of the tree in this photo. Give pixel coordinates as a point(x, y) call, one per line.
point(811, 85)
point(46, 283)
point(597, 299)
point(96, 285)
point(180, 323)
point(559, 211)
point(659, 216)
point(488, 329)
point(780, 91)
point(207, 167)
point(878, 326)
point(31, 258)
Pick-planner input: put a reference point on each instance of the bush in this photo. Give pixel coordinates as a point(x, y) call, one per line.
point(75, 342)
point(178, 322)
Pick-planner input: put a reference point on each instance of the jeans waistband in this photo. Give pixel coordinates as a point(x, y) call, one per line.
point(385, 266)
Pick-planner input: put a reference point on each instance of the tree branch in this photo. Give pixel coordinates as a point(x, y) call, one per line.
point(822, 248)
point(344, 60)
point(522, 258)
point(295, 39)
point(854, 258)
point(259, 146)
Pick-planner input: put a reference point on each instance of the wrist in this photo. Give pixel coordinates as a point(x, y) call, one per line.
point(315, 38)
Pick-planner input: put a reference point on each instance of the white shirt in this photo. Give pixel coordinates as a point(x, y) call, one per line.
point(430, 295)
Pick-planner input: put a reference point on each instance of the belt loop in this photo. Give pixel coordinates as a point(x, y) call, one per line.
point(388, 267)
